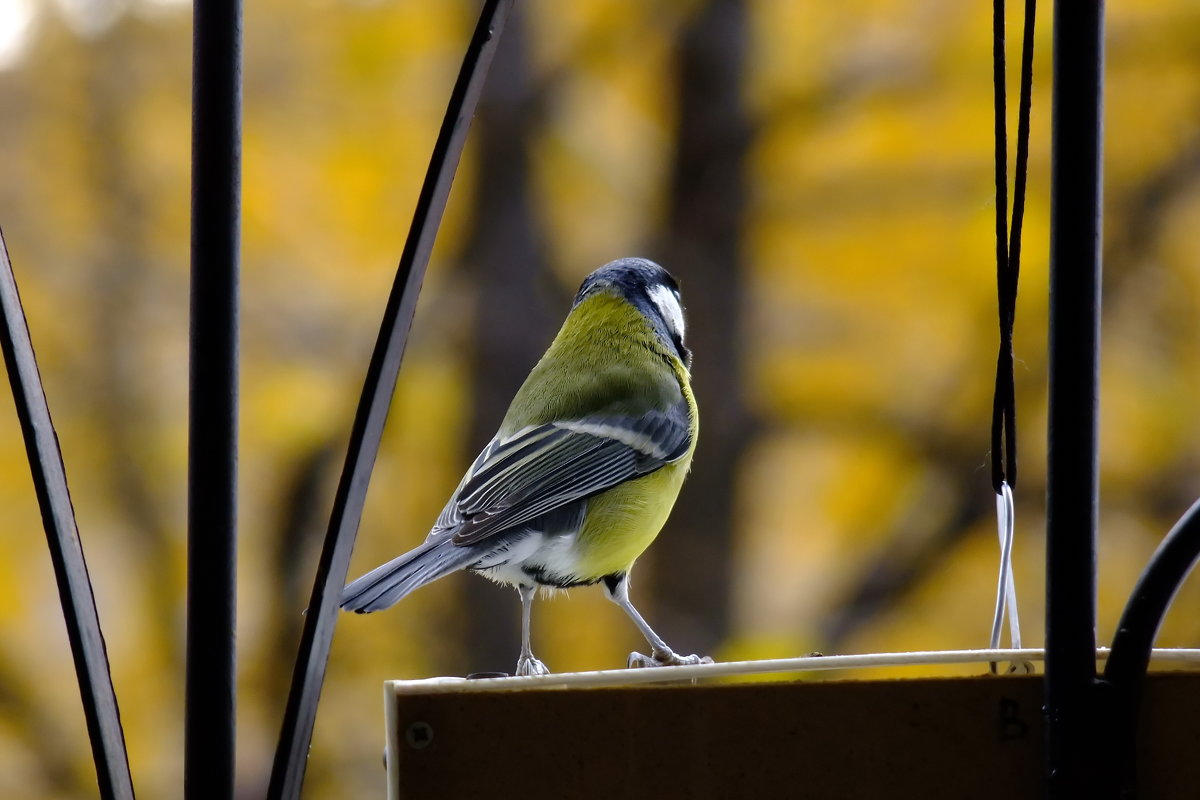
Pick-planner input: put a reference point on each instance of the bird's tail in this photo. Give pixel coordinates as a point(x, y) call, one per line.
point(386, 585)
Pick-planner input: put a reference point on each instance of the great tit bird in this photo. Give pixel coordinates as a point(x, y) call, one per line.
point(586, 465)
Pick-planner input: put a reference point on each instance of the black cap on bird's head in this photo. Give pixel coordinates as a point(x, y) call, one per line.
point(651, 290)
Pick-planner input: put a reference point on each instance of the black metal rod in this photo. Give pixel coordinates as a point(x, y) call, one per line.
point(66, 551)
point(1072, 486)
point(1130, 657)
point(210, 736)
point(291, 754)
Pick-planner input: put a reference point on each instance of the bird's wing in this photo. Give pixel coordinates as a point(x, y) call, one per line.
point(544, 467)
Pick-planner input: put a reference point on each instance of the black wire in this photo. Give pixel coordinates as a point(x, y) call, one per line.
point(1151, 598)
point(49, 474)
point(1008, 250)
point(1125, 671)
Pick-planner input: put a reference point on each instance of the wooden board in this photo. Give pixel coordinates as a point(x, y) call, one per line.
point(929, 738)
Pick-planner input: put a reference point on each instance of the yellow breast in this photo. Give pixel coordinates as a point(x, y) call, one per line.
point(623, 521)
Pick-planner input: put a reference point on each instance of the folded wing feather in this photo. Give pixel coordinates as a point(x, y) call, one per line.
point(544, 467)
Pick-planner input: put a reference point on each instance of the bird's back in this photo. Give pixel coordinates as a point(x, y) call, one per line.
point(571, 381)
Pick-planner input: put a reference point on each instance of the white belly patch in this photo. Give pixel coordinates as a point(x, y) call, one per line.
point(553, 556)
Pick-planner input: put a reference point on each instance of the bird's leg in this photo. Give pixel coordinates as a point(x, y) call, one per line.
point(527, 664)
point(660, 654)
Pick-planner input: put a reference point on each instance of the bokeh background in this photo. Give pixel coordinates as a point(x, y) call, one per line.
point(819, 177)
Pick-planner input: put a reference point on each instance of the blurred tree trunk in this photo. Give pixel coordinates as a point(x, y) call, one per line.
point(505, 260)
point(122, 286)
point(702, 245)
point(303, 507)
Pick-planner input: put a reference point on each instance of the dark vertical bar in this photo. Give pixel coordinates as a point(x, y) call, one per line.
point(66, 551)
point(1073, 487)
point(291, 753)
point(212, 433)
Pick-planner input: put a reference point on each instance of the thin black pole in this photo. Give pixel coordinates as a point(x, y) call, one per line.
point(1072, 486)
point(291, 753)
point(66, 551)
point(212, 433)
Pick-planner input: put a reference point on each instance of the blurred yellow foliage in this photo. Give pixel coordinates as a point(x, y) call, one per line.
point(867, 351)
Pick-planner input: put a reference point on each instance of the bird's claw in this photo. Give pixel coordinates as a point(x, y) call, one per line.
point(528, 665)
point(667, 658)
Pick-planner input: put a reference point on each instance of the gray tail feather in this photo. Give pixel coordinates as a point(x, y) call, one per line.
point(386, 585)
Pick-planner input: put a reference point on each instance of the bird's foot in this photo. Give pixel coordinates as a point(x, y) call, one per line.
point(528, 665)
point(665, 658)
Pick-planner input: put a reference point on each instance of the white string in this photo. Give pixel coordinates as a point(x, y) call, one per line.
point(625, 677)
point(1006, 590)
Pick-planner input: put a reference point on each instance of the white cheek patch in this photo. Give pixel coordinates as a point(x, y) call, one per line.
point(668, 305)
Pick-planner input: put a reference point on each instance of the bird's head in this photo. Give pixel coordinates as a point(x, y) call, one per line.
point(651, 290)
